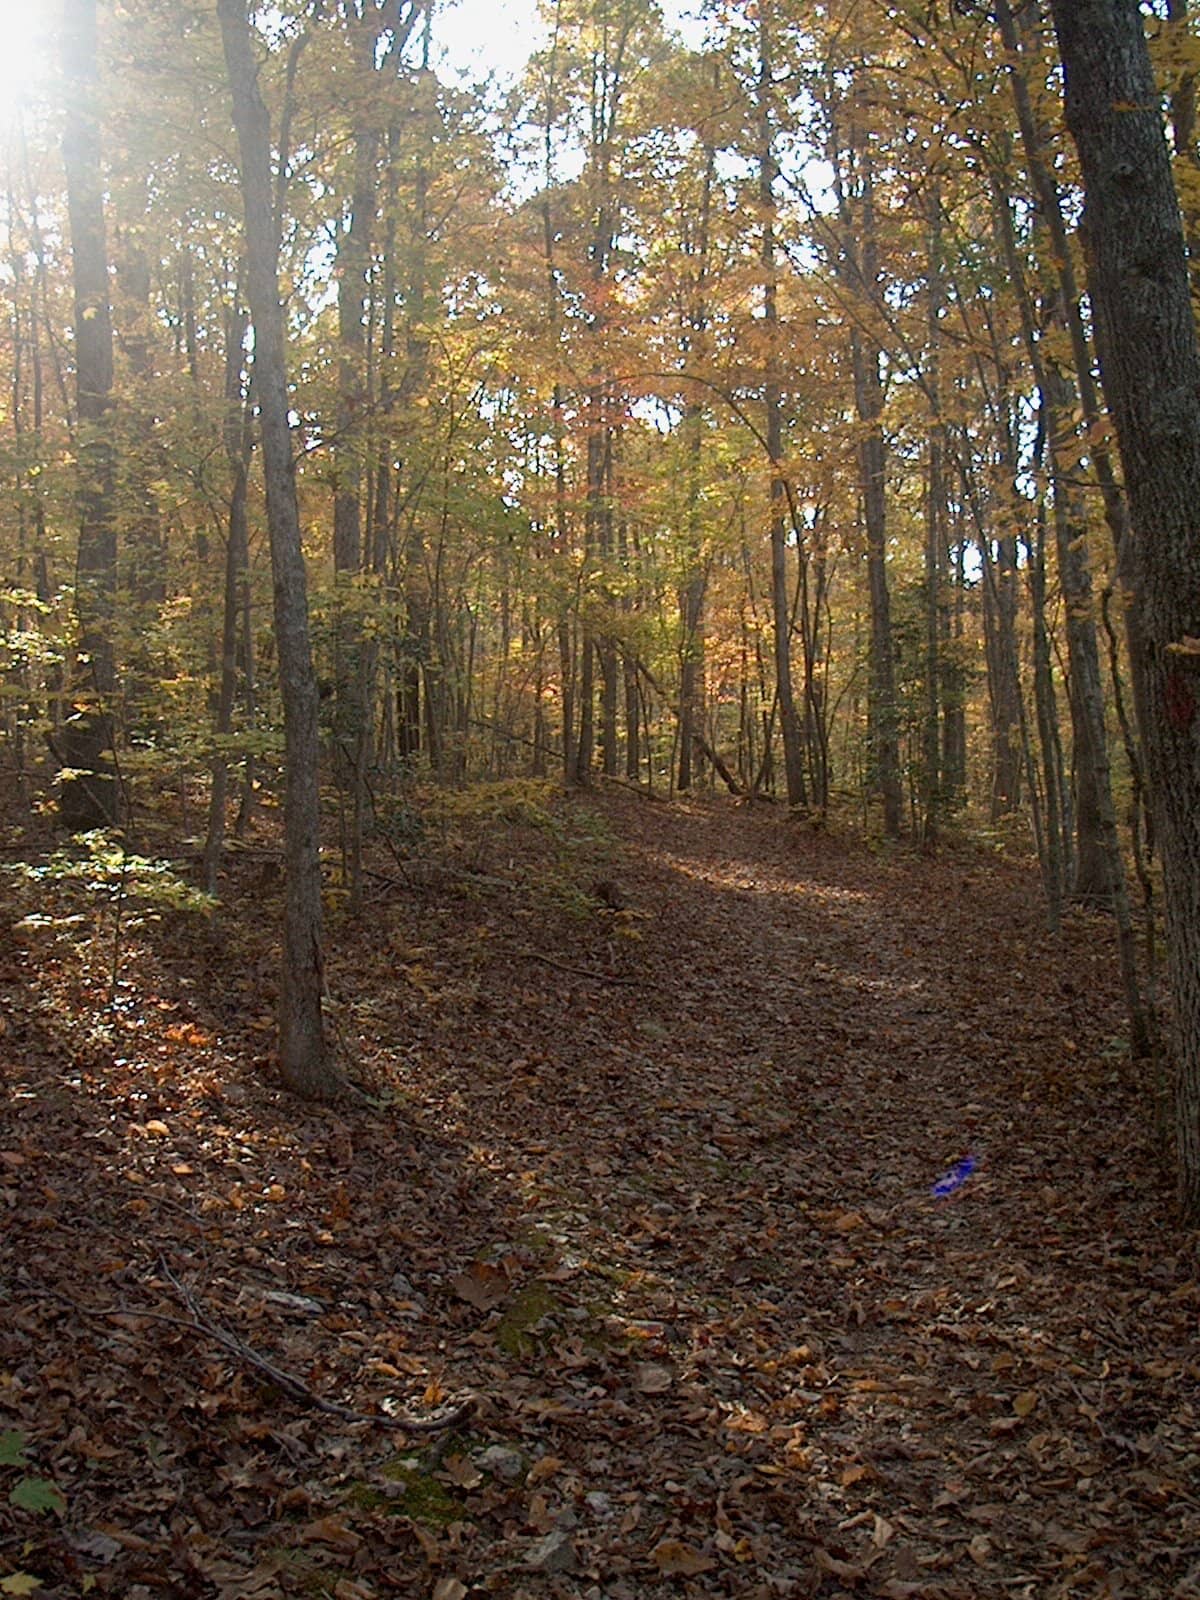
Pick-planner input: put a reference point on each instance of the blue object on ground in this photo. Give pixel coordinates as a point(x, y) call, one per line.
point(954, 1179)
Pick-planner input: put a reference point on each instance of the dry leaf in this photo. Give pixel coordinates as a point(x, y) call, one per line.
point(848, 1571)
point(449, 1589)
point(482, 1285)
point(652, 1379)
point(543, 1469)
point(673, 1558)
point(329, 1530)
point(462, 1471)
point(1026, 1402)
point(980, 1548)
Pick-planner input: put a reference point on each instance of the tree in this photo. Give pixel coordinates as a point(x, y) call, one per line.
point(89, 792)
point(305, 1062)
point(1150, 367)
point(793, 755)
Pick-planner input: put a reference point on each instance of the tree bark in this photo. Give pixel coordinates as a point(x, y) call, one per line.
point(789, 720)
point(305, 1062)
point(1150, 368)
point(859, 269)
point(89, 797)
point(237, 437)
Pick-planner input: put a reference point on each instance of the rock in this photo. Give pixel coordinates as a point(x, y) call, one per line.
point(301, 1304)
point(501, 1462)
point(554, 1553)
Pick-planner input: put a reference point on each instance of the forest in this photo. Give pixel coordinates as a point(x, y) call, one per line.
point(600, 991)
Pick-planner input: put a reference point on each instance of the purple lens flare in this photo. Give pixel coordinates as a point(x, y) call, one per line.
point(955, 1178)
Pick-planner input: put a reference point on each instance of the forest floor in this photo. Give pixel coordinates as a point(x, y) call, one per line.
point(651, 1186)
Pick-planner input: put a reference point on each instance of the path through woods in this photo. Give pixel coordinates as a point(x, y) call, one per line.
point(653, 1185)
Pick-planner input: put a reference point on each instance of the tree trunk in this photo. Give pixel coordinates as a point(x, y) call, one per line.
point(859, 267)
point(694, 587)
point(935, 537)
point(305, 1063)
point(1150, 366)
point(789, 720)
point(90, 796)
point(237, 438)
point(350, 712)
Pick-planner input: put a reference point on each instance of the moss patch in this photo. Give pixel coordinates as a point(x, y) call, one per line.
point(418, 1495)
point(515, 1333)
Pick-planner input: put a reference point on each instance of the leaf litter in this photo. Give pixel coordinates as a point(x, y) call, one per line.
point(659, 1221)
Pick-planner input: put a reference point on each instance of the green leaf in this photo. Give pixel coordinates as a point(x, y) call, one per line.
point(38, 1494)
point(12, 1449)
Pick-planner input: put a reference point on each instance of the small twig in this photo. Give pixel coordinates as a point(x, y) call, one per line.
point(526, 954)
point(431, 868)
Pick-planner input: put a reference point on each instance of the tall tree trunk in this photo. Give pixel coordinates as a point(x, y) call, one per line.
point(143, 548)
point(789, 720)
point(695, 583)
point(236, 433)
point(858, 267)
point(1099, 866)
point(350, 713)
point(954, 695)
point(305, 1062)
point(935, 535)
point(89, 797)
point(1004, 662)
point(1150, 365)
point(1046, 711)
point(565, 624)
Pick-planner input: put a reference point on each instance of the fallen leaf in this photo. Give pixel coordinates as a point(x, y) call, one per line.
point(462, 1471)
point(449, 1589)
point(38, 1494)
point(848, 1571)
point(673, 1558)
point(1026, 1402)
point(543, 1469)
point(652, 1379)
point(980, 1548)
point(482, 1285)
point(329, 1530)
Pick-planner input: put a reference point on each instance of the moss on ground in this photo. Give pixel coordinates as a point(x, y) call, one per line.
point(417, 1495)
point(515, 1333)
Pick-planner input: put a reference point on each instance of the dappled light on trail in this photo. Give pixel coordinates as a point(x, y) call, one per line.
point(767, 1241)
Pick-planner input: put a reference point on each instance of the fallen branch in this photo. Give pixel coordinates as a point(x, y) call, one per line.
point(727, 777)
point(292, 1386)
point(631, 783)
point(198, 1323)
point(576, 972)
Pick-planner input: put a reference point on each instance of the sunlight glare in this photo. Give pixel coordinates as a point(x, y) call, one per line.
point(482, 36)
point(24, 36)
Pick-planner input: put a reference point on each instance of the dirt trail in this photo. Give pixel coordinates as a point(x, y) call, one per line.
point(655, 1186)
